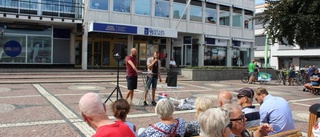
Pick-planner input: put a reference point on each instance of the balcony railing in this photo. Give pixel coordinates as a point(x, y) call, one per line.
point(52, 8)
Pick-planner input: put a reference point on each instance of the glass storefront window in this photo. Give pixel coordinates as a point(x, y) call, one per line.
point(178, 9)
point(142, 7)
point(99, 4)
point(196, 11)
point(215, 56)
point(224, 15)
point(19, 57)
point(211, 13)
point(237, 17)
point(241, 57)
point(39, 49)
point(122, 5)
point(248, 22)
point(162, 8)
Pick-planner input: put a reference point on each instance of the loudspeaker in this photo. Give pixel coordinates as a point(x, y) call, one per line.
point(119, 51)
point(79, 27)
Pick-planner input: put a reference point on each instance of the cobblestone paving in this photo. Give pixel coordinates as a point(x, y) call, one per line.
point(51, 108)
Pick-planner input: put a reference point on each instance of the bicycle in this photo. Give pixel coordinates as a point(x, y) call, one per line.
point(246, 76)
point(281, 78)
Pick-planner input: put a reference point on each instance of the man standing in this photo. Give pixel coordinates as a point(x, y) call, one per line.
point(251, 72)
point(93, 112)
point(245, 98)
point(131, 74)
point(153, 64)
point(274, 111)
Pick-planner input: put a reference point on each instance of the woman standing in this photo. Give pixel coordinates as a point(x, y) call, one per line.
point(292, 74)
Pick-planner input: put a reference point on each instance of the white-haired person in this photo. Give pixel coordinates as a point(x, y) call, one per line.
point(168, 125)
point(93, 112)
point(201, 105)
point(214, 122)
point(238, 121)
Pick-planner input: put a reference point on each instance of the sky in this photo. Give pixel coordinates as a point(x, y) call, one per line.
point(259, 2)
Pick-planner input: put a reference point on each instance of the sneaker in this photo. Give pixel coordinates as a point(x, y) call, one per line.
point(145, 103)
point(154, 103)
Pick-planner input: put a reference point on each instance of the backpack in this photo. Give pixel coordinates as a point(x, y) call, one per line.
point(168, 134)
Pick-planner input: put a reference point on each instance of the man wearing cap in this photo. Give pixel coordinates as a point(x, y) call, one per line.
point(245, 98)
point(274, 111)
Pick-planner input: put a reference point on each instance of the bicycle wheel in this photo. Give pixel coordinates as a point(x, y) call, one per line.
point(245, 79)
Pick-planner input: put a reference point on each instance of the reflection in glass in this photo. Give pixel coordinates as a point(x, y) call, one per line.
point(178, 10)
point(211, 13)
point(121, 5)
point(224, 16)
point(99, 4)
point(237, 17)
point(39, 49)
point(195, 13)
point(161, 8)
point(142, 7)
point(215, 56)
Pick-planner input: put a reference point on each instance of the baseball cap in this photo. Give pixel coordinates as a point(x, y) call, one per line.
point(246, 91)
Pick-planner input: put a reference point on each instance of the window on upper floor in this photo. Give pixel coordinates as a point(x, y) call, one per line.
point(224, 15)
point(196, 11)
point(142, 7)
point(29, 5)
point(178, 8)
point(99, 4)
point(65, 6)
point(237, 17)
point(162, 8)
point(50, 5)
point(211, 13)
point(248, 21)
point(122, 5)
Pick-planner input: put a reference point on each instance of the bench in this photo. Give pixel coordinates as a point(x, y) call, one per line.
point(289, 133)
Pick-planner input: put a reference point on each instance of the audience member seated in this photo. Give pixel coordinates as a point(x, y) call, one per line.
point(314, 81)
point(93, 112)
point(238, 122)
point(168, 125)
point(224, 97)
point(201, 105)
point(245, 98)
point(172, 63)
point(120, 109)
point(214, 122)
point(274, 111)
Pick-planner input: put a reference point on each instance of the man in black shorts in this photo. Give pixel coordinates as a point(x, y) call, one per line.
point(131, 74)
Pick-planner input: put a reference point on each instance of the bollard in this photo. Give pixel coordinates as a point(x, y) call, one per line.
point(314, 114)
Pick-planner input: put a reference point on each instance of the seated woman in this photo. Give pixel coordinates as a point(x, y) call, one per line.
point(315, 79)
point(214, 123)
point(168, 125)
point(120, 109)
point(201, 105)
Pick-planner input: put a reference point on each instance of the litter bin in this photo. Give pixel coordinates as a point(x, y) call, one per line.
point(171, 79)
point(314, 114)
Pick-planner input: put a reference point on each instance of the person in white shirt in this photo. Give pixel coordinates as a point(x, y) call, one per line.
point(172, 63)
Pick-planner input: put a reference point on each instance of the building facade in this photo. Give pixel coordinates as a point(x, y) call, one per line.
point(38, 31)
point(199, 33)
point(194, 33)
point(278, 55)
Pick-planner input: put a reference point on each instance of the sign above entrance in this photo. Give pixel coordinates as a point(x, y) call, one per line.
point(131, 29)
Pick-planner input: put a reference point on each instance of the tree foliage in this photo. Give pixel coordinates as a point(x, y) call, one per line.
point(296, 21)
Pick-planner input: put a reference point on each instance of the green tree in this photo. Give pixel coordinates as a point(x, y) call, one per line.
point(293, 22)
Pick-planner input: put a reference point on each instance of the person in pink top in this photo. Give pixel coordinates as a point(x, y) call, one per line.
point(93, 112)
point(131, 73)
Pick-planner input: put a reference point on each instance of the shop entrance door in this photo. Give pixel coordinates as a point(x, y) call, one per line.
point(94, 54)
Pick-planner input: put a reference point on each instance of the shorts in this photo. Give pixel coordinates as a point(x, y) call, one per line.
point(154, 82)
point(314, 83)
point(251, 74)
point(132, 82)
point(292, 74)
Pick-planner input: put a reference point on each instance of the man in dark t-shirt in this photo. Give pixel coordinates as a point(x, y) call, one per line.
point(131, 73)
point(314, 81)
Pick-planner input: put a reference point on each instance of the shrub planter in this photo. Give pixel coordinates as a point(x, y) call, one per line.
point(219, 74)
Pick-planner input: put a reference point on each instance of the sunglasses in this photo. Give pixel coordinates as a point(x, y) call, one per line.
point(238, 119)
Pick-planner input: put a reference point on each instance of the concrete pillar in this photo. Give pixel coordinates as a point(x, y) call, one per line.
point(168, 51)
point(296, 62)
point(201, 50)
point(130, 44)
point(274, 62)
point(72, 48)
point(84, 57)
point(229, 53)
